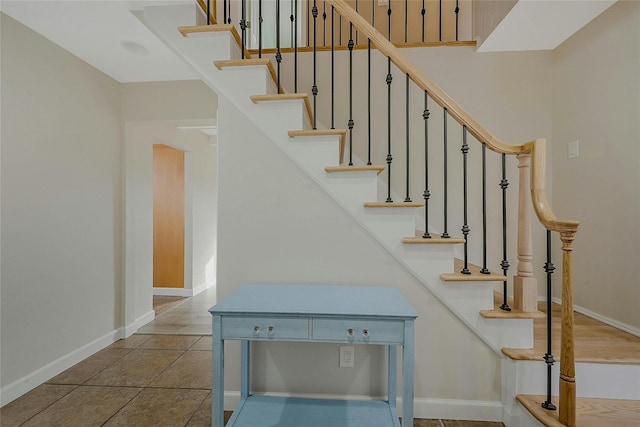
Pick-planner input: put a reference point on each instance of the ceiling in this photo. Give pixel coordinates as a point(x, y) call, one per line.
point(109, 35)
point(542, 24)
point(106, 35)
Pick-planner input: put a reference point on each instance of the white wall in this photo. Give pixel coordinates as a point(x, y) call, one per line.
point(596, 101)
point(151, 114)
point(277, 226)
point(61, 208)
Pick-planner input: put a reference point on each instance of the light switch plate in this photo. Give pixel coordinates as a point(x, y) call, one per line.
point(573, 150)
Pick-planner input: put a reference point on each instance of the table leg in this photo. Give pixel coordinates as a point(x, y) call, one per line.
point(217, 392)
point(407, 375)
point(392, 375)
point(245, 373)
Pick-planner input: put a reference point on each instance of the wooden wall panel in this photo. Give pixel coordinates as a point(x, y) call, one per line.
point(168, 217)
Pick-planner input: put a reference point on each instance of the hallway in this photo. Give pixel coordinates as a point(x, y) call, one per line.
point(160, 376)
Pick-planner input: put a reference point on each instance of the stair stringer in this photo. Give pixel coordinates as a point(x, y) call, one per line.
point(425, 263)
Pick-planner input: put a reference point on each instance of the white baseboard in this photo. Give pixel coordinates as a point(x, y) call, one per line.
point(451, 409)
point(27, 383)
point(181, 292)
point(139, 323)
point(604, 319)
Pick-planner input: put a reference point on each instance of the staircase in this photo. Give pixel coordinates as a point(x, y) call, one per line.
point(286, 120)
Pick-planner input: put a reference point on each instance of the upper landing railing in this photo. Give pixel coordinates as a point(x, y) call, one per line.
point(332, 25)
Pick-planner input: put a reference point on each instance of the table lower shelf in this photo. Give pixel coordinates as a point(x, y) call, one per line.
point(271, 411)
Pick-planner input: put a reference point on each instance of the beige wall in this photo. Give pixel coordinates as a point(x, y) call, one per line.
point(487, 14)
point(596, 101)
point(61, 203)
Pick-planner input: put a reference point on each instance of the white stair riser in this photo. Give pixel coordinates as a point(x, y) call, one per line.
point(594, 380)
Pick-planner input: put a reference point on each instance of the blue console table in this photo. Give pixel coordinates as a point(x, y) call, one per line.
point(305, 313)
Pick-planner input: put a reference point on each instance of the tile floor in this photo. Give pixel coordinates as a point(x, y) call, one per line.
point(158, 377)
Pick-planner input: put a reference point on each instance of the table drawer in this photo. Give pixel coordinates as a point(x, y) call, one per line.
point(277, 328)
point(358, 331)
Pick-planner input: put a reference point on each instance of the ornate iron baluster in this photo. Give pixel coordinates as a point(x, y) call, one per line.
point(332, 71)
point(389, 80)
point(350, 124)
point(548, 357)
point(505, 263)
point(373, 23)
point(292, 19)
point(295, 46)
point(484, 269)
point(208, 12)
point(426, 194)
point(465, 226)
point(445, 234)
point(407, 198)
point(259, 28)
point(324, 23)
point(314, 88)
point(423, 12)
point(278, 54)
point(243, 26)
point(457, 9)
point(440, 22)
point(406, 20)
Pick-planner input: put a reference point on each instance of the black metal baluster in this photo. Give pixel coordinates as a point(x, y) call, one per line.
point(224, 9)
point(445, 234)
point(229, 15)
point(504, 184)
point(548, 357)
point(259, 28)
point(484, 269)
point(340, 33)
point(389, 80)
point(208, 12)
point(406, 20)
point(373, 23)
point(243, 26)
point(350, 45)
point(292, 19)
point(440, 22)
point(423, 12)
point(332, 70)
point(295, 46)
point(314, 88)
point(407, 198)
point(308, 24)
point(465, 226)
point(457, 9)
point(278, 54)
point(426, 194)
point(324, 23)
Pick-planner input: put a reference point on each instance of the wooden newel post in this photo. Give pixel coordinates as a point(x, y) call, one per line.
point(567, 404)
point(525, 286)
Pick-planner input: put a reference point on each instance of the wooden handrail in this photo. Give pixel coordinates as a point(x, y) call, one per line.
point(537, 149)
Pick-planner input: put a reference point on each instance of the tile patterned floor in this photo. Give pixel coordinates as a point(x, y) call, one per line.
point(158, 377)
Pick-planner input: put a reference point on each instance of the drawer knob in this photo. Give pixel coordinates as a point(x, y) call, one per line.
point(350, 332)
point(270, 329)
point(365, 332)
point(256, 330)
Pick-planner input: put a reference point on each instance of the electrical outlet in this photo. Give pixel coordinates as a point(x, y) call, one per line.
point(347, 356)
point(383, 2)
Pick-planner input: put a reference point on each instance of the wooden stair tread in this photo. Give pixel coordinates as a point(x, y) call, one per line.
point(286, 97)
point(435, 239)
point(475, 276)
point(595, 342)
point(590, 412)
point(355, 168)
point(216, 28)
point(498, 313)
point(323, 132)
point(393, 204)
point(249, 63)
